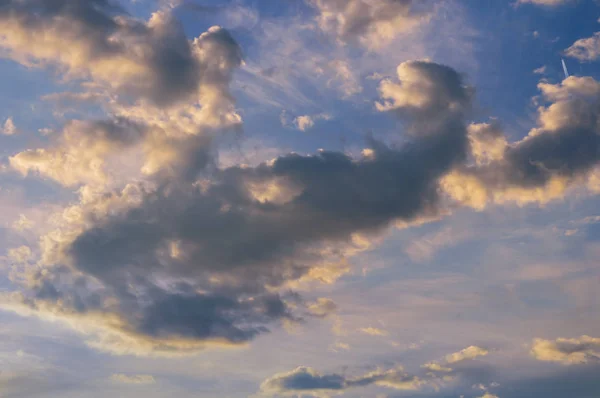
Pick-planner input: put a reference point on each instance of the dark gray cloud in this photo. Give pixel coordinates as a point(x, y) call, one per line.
point(200, 261)
point(307, 381)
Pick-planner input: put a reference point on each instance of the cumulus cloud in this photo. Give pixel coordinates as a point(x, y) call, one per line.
point(372, 23)
point(196, 263)
point(567, 351)
point(587, 49)
point(432, 96)
point(560, 152)
point(186, 262)
point(166, 95)
point(132, 379)
point(96, 39)
point(487, 142)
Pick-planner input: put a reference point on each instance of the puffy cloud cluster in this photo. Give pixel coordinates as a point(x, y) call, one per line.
point(307, 381)
point(567, 351)
point(372, 23)
point(166, 95)
point(562, 150)
point(96, 39)
point(197, 255)
point(587, 49)
point(192, 262)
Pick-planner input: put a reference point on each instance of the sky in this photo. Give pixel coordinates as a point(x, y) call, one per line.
point(299, 198)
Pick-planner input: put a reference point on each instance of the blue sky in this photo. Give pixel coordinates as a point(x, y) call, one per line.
point(309, 198)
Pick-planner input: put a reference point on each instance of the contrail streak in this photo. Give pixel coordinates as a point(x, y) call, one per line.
point(565, 68)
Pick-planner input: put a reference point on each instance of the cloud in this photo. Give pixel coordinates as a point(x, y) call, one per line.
point(9, 127)
point(560, 152)
point(151, 60)
point(587, 49)
point(179, 263)
point(488, 143)
point(22, 223)
point(431, 95)
point(540, 71)
point(81, 152)
point(373, 331)
point(436, 367)
point(567, 351)
point(20, 254)
point(302, 380)
point(307, 381)
point(488, 395)
point(166, 96)
point(322, 307)
point(191, 263)
point(306, 122)
point(372, 24)
point(132, 379)
point(470, 352)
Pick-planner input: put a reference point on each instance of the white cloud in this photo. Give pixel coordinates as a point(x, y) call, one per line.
point(9, 127)
point(470, 352)
point(587, 49)
point(305, 122)
point(567, 351)
point(373, 331)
